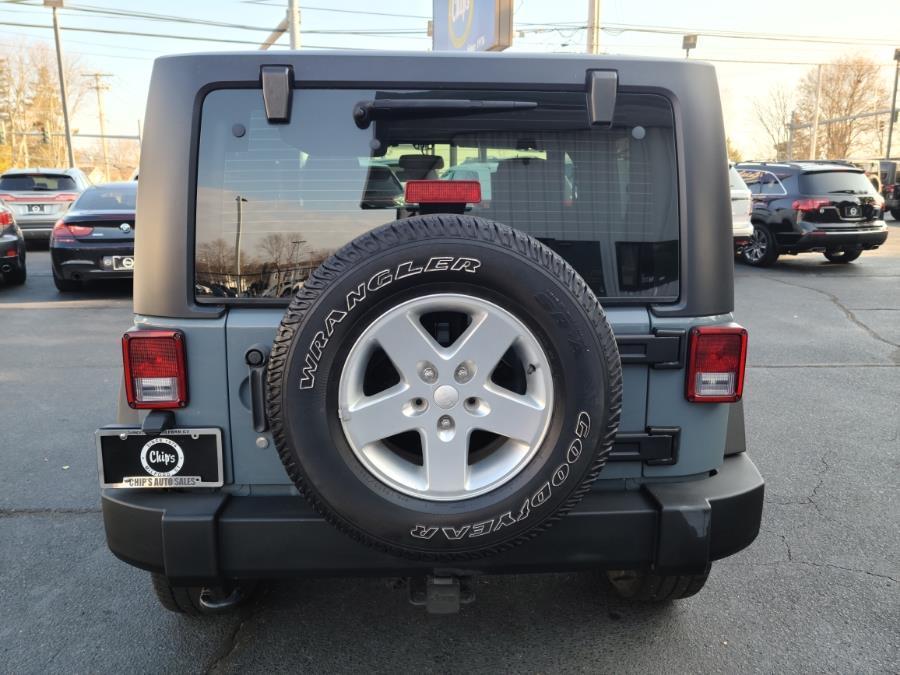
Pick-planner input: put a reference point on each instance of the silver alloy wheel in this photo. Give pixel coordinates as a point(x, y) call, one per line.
point(444, 394)
point(759, 244)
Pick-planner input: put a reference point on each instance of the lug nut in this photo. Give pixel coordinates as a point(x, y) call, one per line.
point(445, 422)
point(464, 372)
point(428, 373)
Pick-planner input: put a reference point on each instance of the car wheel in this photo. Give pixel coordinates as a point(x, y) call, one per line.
point(17, 277)
point(762, 249)
point(197, 600)
point(895, 213)
point(65, 285)
point(463, 377)
point(842, 256)
point(643, 586)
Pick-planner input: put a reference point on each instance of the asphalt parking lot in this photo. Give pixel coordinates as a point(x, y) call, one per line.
point(818, 591)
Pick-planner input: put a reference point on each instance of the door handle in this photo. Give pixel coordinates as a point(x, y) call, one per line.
point(256, 358)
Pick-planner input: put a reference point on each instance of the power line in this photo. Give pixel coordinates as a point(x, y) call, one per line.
point(306, 8)
point(194, 38)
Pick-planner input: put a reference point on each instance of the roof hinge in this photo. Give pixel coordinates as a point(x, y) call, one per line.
point(601, 94)
point(277, 85)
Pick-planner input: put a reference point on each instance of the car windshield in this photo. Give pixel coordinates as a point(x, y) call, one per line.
point(835, 182)
point(37, 181)
point(107, 198)
point(273, 201)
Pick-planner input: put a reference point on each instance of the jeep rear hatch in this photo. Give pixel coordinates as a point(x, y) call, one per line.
point(274, 200)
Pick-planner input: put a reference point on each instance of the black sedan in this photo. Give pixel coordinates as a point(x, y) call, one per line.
point(12, 248)
point(95, 239)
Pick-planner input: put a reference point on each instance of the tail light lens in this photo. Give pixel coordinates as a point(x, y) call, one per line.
point(718, 355)
point(155, 375)
point(443, 192)
point(67, 233)
point(810, 204)
point(65, 197)
point(5, 218)
point(7, 198)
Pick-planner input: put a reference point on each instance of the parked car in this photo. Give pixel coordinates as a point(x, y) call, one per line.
point(95, 239)
point(890, 189)
point(12, 248)
point(480, 171)
point(801, 207)
point(444, 395)
point(741, 207)
point(38, 197)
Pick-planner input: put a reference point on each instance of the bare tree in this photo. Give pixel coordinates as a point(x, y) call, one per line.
point(773, 112)
point(30, 99)
point(850, 86)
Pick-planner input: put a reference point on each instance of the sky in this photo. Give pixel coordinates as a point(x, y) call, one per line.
point(871, 29)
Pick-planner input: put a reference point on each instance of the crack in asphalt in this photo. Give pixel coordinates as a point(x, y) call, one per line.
point(809, 499)
point(247, 614)
point(855, 570)
point(14, 513)
point(848, 313)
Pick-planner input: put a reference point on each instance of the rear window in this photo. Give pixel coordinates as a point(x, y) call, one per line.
point(835, 182)
point(38, 181)
point(273, 201)
point(107, 199)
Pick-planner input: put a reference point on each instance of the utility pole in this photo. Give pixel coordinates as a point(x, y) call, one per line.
point(237, 239)
point(593, 29)
point(887, 153)
point(293, 18)
point(54, 5)
point(99, 87)
point(790, 142)
point(814, 137)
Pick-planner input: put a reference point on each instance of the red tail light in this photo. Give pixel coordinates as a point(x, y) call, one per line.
point(810, 204)
point(65, 197)
point(443, 192)
point(5, 218)
point(155, 375)
point(716, 363)
point(8, 198)
point(67, 233)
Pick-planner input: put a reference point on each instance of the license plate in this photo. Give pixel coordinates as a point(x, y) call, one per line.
point(129, 458)
point(36, 208)
point(123, 262)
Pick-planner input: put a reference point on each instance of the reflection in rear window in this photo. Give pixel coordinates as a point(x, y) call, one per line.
point(38, 181)
point(835, 182)
point(273, 201)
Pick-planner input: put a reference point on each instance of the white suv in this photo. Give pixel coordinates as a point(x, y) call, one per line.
point(741, 207)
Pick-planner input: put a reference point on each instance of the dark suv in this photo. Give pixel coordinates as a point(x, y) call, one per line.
point(801, 207)
point(338, 367)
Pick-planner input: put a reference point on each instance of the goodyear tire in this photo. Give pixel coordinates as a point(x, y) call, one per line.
point(444, 388)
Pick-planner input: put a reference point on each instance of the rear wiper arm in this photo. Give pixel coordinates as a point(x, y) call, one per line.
point(365, 112)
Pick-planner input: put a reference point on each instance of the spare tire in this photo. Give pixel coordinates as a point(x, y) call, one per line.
point(443, 388)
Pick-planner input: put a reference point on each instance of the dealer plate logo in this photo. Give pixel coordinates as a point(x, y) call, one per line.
point(162, 457)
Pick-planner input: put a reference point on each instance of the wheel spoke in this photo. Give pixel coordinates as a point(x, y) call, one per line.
point(446, 461)
point(407, 343)
point(374, 418)
point(512, 415)
point(485, 342)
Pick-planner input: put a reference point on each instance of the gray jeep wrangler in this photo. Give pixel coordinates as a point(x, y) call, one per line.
point(430, 316)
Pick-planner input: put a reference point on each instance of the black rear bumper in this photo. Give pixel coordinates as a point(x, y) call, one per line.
point(672, 527)
point(823, 238)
